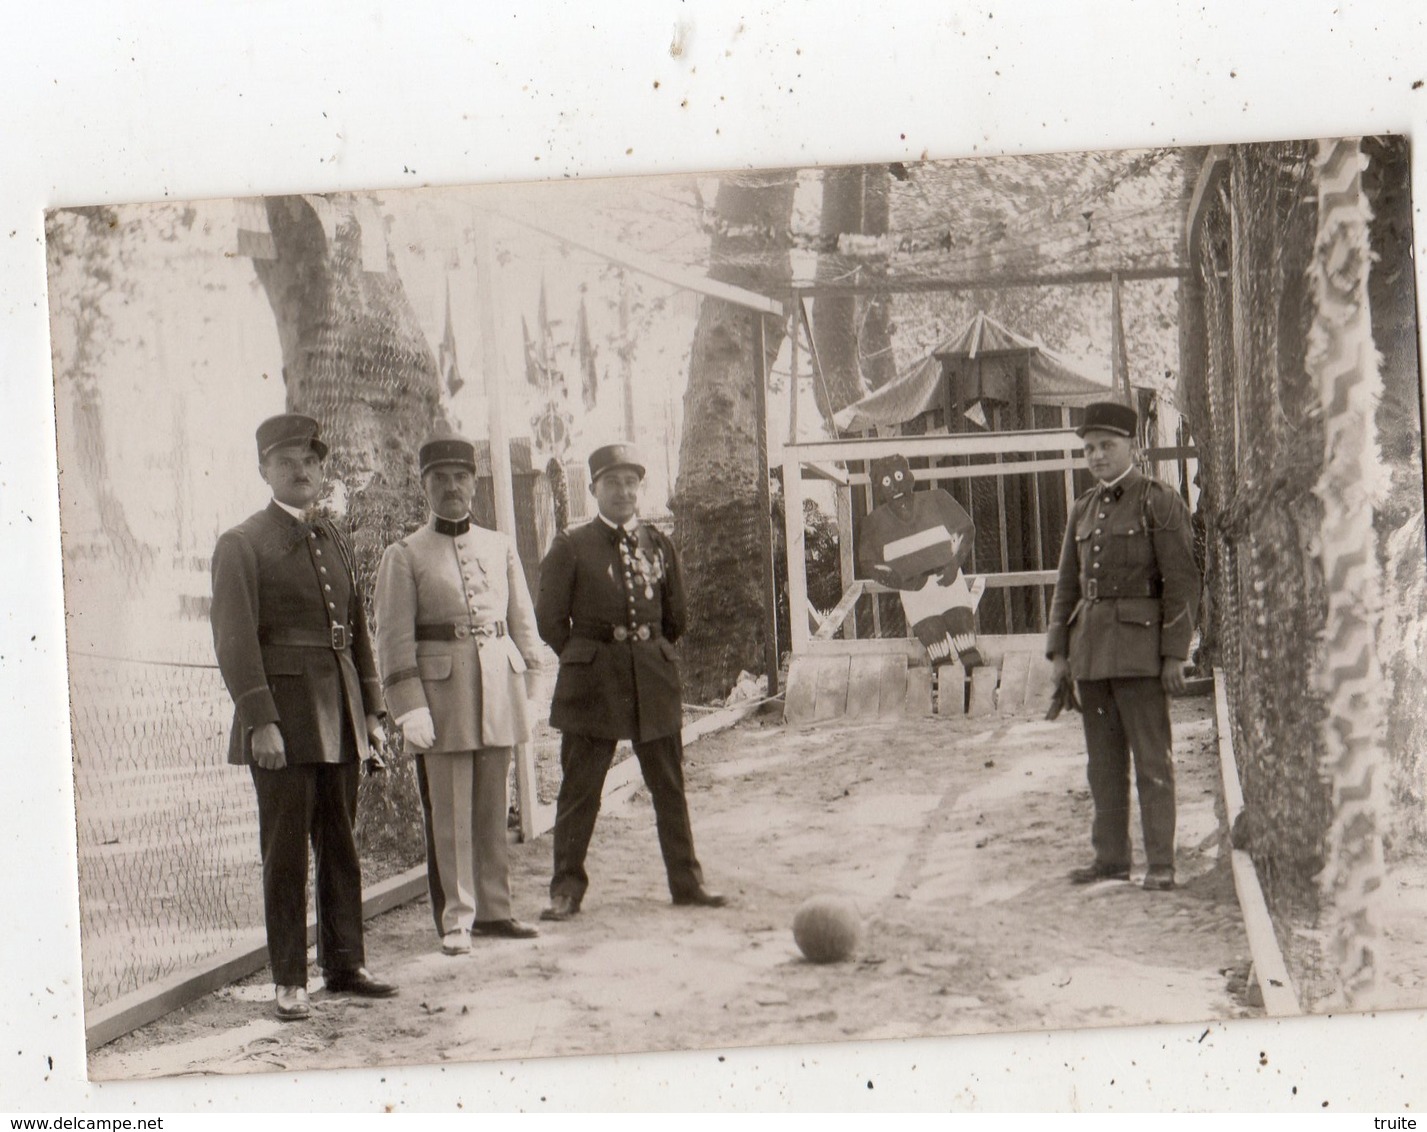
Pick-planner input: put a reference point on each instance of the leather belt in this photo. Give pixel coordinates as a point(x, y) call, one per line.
point(337, 637)
point(458, 631)
point(646, 632)
point(1093, 589)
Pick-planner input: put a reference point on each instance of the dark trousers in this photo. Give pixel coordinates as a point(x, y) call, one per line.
point(314, 802)
point(1122, 717)
point(584, 761)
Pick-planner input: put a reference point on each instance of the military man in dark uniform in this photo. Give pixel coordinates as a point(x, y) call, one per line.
point(1120, 626)
point(292, 644)
point(611, 603)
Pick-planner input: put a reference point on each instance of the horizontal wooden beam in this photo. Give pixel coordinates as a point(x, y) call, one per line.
point(809, 452)
point(991, 645)
point(1002, 581)
point(656, 269)
point(894, 286)
point(826, 471)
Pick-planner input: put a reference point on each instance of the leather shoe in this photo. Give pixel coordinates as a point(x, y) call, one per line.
point(507, 929)
point(292, 1004)
point(1089, 874)
point(359, 982)
point(457, 942)
point(702, 898)
point(561, 908)
point(1158, 879)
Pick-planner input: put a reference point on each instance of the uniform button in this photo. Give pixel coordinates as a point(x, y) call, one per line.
point(313, 535)
point(1098, 530)
point(328, 587)
point(1096, 549)
point(322, 569)
point(1095, 565)
point(331, 605)
point(318, 553)
point(1102, 514)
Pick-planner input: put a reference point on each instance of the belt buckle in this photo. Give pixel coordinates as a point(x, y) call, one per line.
point(1092, 589)
point(620, 633)
point(339, 637)
point(642, 632)
point(483, 631)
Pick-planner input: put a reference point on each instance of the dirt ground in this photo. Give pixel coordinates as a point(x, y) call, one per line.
point(952, 836)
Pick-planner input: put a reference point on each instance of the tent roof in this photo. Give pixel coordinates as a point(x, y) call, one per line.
point(1054, 381)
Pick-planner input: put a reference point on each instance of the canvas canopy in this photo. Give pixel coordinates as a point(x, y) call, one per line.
point(1053, 380)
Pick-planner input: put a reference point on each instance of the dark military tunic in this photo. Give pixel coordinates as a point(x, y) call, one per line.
point(1125, 601)
point(611, 603)
point(292, 644)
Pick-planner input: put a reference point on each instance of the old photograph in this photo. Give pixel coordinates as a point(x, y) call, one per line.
point(799, 604)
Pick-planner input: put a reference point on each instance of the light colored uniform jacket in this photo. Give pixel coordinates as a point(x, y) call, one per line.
point(475, 684)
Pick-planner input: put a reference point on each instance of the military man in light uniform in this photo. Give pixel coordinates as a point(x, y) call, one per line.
point(1120, 626)
point(456, 637)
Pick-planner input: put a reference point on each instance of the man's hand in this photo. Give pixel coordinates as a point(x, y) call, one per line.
point(1060, 669)
point(374, 763)
point(419, 729)
point(1171, 676)
point(268, 749)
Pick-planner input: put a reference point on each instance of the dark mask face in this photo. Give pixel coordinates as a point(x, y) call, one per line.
point(891, 477)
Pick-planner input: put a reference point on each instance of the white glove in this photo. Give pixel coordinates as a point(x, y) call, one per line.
point(419, 728)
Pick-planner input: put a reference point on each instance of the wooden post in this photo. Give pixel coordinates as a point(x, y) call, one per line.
point(626, 351)
point(765, 501)
point(793, 376)
point(1001, 520)
point(493, 371)
point(1119, 360)
point(846, 563)
point(796, 549)
point(502, 484)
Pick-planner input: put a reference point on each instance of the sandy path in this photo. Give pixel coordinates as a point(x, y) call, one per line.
point(952, 836)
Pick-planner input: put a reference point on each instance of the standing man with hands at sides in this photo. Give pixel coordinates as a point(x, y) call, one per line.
point(1120, 627)
point(292, 644)
point(611, 603)
point(455, 639)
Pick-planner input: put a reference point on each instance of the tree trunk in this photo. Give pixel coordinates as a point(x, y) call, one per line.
point(721, 526)
point(852, 332)
point(354, 357)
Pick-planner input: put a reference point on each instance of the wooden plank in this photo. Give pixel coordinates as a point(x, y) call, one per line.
point(1011, 695)
point(991, 645)
point(839, 613)
point(919, 692)
point(1279, 997)
point(795, 540)
point(830, 695)
point(971, 471)
point(953, 444)
point(864, 687)
point(1040, 685)
point(951, 690)
point(801, 692)
point(847, 567)
point(993, 581)
point(892, 700)
point(867, 284)
point(983, 691)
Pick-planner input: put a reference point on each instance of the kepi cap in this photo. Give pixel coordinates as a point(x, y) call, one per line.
point(1109, 416)
point(447, 450)
point(613, 456)
point(289, 428)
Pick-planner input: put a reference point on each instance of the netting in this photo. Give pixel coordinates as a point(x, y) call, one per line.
point(1260, 423)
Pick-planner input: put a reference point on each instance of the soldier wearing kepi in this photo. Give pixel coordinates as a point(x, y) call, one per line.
point(292, 644)
point(611, 603)
point(455, 640)
point(1120, 626)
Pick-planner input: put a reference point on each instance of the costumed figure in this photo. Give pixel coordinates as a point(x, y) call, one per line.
point(916, 542)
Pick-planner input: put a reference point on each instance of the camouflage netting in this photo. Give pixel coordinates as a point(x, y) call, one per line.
point(1260, 421)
